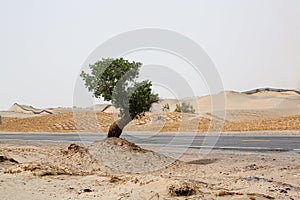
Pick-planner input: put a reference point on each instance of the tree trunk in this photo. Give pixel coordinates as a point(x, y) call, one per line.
point(116, 129)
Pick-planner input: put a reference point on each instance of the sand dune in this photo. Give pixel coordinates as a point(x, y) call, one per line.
point(242, 106)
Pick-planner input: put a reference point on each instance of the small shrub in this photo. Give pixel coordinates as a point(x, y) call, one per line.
point(166, 108)
point(182, 189)
point(185, 108)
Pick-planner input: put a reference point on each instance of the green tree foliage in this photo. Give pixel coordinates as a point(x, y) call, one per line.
point(115, 80)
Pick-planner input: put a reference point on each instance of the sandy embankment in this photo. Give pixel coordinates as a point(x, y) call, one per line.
point(168, 122)
point(261, 111)
point(121, 170)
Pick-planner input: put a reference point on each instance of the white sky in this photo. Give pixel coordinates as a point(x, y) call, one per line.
point(254, 43)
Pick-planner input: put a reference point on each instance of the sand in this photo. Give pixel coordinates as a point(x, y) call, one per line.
point(166, 122)
point(118, 169)
point(64, 171)
point(267, 110)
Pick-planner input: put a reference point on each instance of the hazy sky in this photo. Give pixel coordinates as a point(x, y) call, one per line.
point(43, 44)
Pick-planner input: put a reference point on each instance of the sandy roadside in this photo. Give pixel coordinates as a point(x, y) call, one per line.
point(55, 171)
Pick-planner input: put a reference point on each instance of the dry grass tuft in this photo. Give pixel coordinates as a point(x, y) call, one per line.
point(183, 189)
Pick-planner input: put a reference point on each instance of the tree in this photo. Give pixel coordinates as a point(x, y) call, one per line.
point(115, 80)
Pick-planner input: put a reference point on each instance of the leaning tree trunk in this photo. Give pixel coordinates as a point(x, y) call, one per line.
point(116, 129)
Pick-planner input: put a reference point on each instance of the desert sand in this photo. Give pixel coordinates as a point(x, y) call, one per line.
point(122, 170)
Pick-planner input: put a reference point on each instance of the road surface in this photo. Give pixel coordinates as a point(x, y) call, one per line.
point(228, 142)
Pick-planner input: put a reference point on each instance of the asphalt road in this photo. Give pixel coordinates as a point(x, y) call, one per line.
point(230, 142)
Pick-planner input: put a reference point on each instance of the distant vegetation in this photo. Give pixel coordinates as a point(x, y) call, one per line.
point(184, 107)
point(166, 108)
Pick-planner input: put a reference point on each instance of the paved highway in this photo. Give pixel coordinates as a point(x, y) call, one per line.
point(229, 142)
